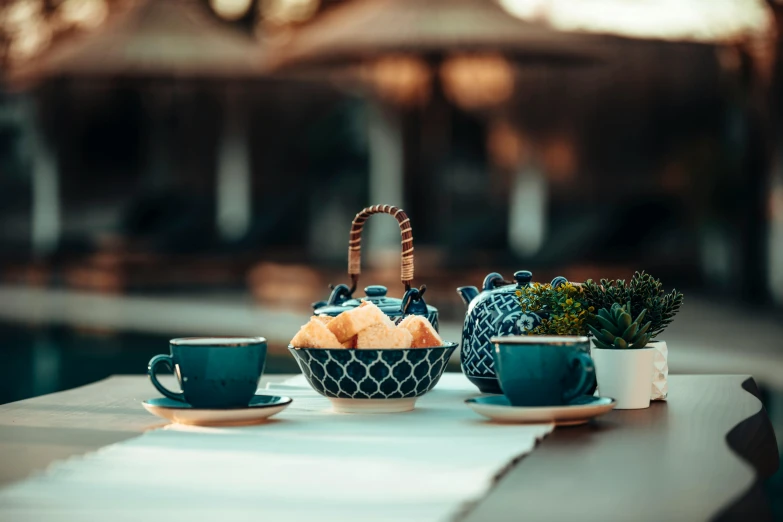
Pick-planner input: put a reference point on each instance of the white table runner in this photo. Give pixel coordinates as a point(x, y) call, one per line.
point(308, 463)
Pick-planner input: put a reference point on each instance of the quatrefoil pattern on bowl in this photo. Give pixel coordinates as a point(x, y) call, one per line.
point(373, 374)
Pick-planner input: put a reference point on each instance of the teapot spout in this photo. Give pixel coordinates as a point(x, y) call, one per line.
point(467, 293)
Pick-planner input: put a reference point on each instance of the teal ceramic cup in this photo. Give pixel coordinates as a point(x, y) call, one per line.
point(543, 370)
point(213, 372)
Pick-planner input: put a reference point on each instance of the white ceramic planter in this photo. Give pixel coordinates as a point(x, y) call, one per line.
point(660, 383)
point(625, 375)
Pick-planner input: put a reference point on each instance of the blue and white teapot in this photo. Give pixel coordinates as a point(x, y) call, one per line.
point(494, 312)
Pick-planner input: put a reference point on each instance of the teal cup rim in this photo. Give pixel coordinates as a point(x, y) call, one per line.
point(541, 339)
point(217, 341)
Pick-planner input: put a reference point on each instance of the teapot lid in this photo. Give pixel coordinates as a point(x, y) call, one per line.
point(522, 278)
point(495, 281)
point(376, 294)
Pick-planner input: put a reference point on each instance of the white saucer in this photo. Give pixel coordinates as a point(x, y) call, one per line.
point(499, 409)
point(260, 408)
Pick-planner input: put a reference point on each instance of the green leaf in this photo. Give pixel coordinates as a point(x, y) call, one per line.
point(608, 336)
point(601, 344)
point(609, 325)
point(630, 332)
point(642, 342)
point(619, 343)
point(643, 329)
point(597, 334)
point(641, 316)
point(603, 312)
point(625, 320)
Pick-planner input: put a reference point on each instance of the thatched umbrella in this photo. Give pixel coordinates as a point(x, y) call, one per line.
point(149, 39)
point(398, 44)
point(358, 31)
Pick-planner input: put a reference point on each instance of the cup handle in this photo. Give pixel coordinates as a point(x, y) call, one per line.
point(154, 363)
point(586, 375)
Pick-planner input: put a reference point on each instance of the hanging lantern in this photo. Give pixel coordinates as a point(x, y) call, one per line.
point(399, 79)
point(29, 42)
point(20, 13)
point(284, 12)
point(560, 159)
point(83, 14)
point(476, 81)
point(25, 28)
point(230, 9)
point(507, 146)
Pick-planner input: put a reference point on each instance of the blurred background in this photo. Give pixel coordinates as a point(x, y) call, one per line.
point(191, 167)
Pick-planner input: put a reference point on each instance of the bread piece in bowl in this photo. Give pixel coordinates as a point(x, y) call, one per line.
point(315, 334)
point(380, 335)
point(424, 335)
point(351, 322)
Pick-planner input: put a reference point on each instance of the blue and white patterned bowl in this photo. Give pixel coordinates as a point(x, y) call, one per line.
point(373, 381)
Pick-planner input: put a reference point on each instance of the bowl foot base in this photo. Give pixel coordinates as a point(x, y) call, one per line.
point(372, 405)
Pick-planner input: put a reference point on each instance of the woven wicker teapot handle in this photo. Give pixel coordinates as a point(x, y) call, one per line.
point(355, 242)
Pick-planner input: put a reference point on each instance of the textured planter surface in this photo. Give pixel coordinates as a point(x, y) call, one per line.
point(625, 375)
point(660, 383)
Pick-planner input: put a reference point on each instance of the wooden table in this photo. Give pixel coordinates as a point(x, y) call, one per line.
point(701, 456)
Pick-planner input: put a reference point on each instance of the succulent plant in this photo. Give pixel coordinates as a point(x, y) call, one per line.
point(618, 330)
point(643, 292)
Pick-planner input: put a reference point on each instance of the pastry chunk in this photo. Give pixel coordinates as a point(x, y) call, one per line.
point(351, 322)
point(315, 334)
point(381, 336)
point(424, 335)
point(326, 319)
point(350, 343)
point(386, 319)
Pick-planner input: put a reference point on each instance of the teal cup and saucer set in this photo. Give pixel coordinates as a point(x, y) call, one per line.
point(544, 379)
point(218, 377)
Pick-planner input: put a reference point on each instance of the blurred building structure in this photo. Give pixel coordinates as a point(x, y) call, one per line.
point(474, 53)
point(431, 56)
point(585, 138)
point(145, 41)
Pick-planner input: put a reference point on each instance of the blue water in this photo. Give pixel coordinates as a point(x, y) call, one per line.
point(40, 360)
